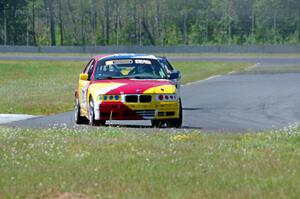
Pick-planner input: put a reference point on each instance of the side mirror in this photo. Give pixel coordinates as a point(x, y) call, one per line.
point(83, 77)
point(175, 75)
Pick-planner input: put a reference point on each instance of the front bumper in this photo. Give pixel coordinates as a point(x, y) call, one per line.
point(137, 111)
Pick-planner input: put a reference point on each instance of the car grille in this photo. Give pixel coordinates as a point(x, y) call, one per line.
point(145, 98)
point(138, 98)
point(170, 113)
point(131, 98)
point(161, 114)
point(146, 113)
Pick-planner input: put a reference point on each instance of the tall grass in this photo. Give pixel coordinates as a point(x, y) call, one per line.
point(113, 163)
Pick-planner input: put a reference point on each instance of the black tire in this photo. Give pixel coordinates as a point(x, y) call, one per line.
point(101, 122)
point(176, 123)
point(158, 123)
point(92, 120)
point(77, 117)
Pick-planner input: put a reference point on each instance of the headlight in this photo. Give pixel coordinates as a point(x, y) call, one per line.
point(166, 97)
point(109, 98)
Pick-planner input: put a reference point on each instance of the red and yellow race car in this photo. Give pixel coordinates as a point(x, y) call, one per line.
point(129, 87)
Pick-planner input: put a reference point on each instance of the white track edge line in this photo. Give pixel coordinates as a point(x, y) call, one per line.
point(216, 76)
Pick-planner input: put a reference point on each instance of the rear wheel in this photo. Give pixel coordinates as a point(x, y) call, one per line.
point(77, 117)
point(92, 120)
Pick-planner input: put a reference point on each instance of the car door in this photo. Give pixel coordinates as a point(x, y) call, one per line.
point(83, 86)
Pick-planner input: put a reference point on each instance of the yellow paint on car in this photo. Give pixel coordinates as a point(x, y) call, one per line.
point(164, 89)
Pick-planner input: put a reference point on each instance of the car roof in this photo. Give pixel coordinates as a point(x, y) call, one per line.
point(125, 56)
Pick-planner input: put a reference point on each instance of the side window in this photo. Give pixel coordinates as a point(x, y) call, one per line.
point(87, 66)
point(90, 69)
point(167, 66)
point(170, 67)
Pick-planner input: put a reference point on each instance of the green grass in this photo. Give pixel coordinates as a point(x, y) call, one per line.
point(37, 87)
point(47, 87)
point(233, 55)
point(116, 163)
point(193, 71)
point(274, 68)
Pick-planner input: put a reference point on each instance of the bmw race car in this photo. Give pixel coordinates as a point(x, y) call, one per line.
point(129, 87)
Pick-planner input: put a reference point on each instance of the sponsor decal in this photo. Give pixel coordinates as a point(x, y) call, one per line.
point(121, 61)
point(141, 61)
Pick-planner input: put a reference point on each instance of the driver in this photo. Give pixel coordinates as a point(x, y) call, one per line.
point(144, 69)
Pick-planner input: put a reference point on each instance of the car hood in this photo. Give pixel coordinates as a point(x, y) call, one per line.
point(129, 86)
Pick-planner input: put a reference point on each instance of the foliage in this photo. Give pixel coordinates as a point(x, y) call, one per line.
point(149, 22)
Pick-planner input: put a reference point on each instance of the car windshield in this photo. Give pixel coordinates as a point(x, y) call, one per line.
point(130, 69)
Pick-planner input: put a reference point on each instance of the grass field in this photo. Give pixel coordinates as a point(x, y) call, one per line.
point(118, 163)
point(47, 87)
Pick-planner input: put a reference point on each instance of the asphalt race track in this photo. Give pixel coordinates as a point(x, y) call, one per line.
point(256, 100)
point(264, 97)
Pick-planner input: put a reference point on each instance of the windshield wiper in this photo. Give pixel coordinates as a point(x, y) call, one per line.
point(145, 77)
point(111, 77)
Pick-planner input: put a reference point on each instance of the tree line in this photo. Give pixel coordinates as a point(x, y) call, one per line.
point(149, 22)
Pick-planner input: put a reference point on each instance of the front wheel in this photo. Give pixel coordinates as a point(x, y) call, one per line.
point(157, 123)
point(176, 123)
point(92, 120)
point(170, 123)
point(77, 117)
